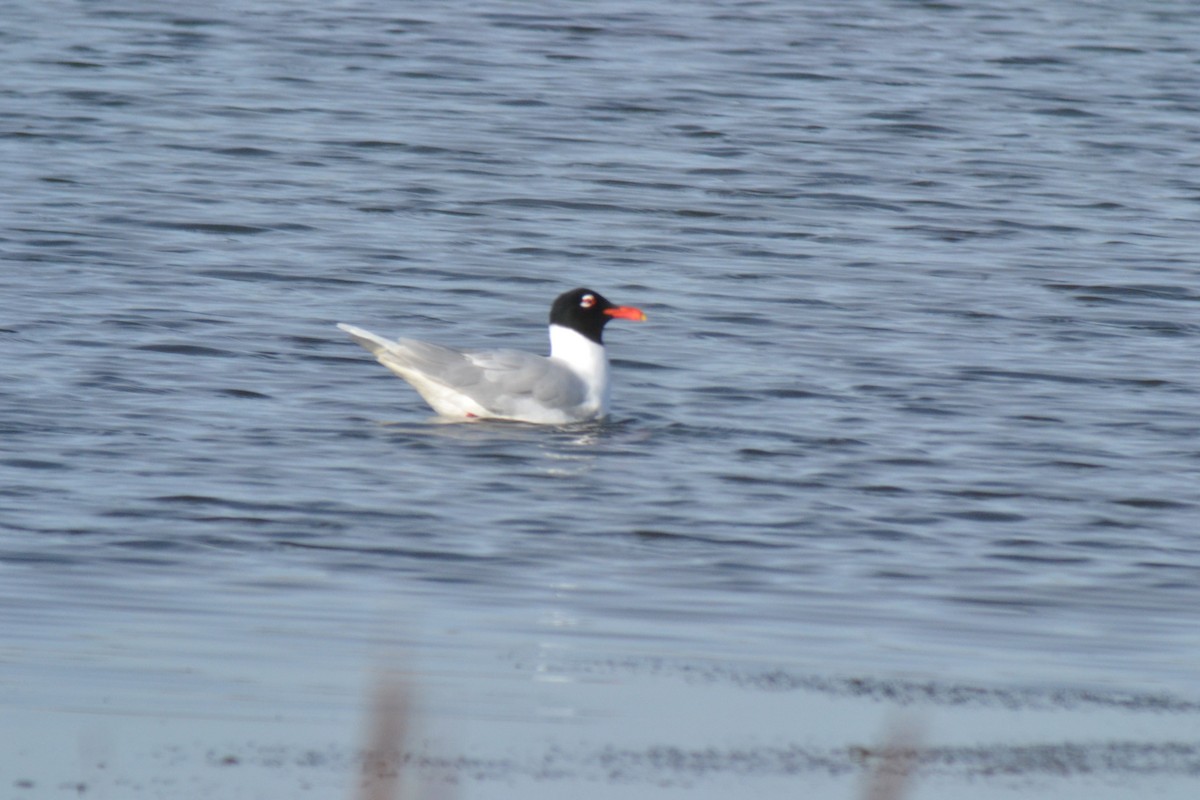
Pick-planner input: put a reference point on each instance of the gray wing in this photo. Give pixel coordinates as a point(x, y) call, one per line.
point(505, 382)
point(510, 379)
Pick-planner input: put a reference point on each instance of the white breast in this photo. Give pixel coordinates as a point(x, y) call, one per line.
point(586, 359)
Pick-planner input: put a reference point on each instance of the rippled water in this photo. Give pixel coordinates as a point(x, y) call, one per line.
point(918, 394)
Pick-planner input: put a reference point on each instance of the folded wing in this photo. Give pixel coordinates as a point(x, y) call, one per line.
point(506, 383)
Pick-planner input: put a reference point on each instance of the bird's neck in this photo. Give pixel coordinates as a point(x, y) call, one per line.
point(586, 358)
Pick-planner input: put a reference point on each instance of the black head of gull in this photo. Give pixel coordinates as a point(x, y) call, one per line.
point(587, 312)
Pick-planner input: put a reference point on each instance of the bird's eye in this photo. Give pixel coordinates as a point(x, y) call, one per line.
point(587, 301)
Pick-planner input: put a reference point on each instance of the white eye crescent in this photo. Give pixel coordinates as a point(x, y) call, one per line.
point(587, 301)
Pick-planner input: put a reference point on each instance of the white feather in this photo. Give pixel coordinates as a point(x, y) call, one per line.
point(570, 386)
point(589, 361)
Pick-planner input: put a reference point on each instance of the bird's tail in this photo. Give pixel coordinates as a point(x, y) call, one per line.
point(376, 344)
